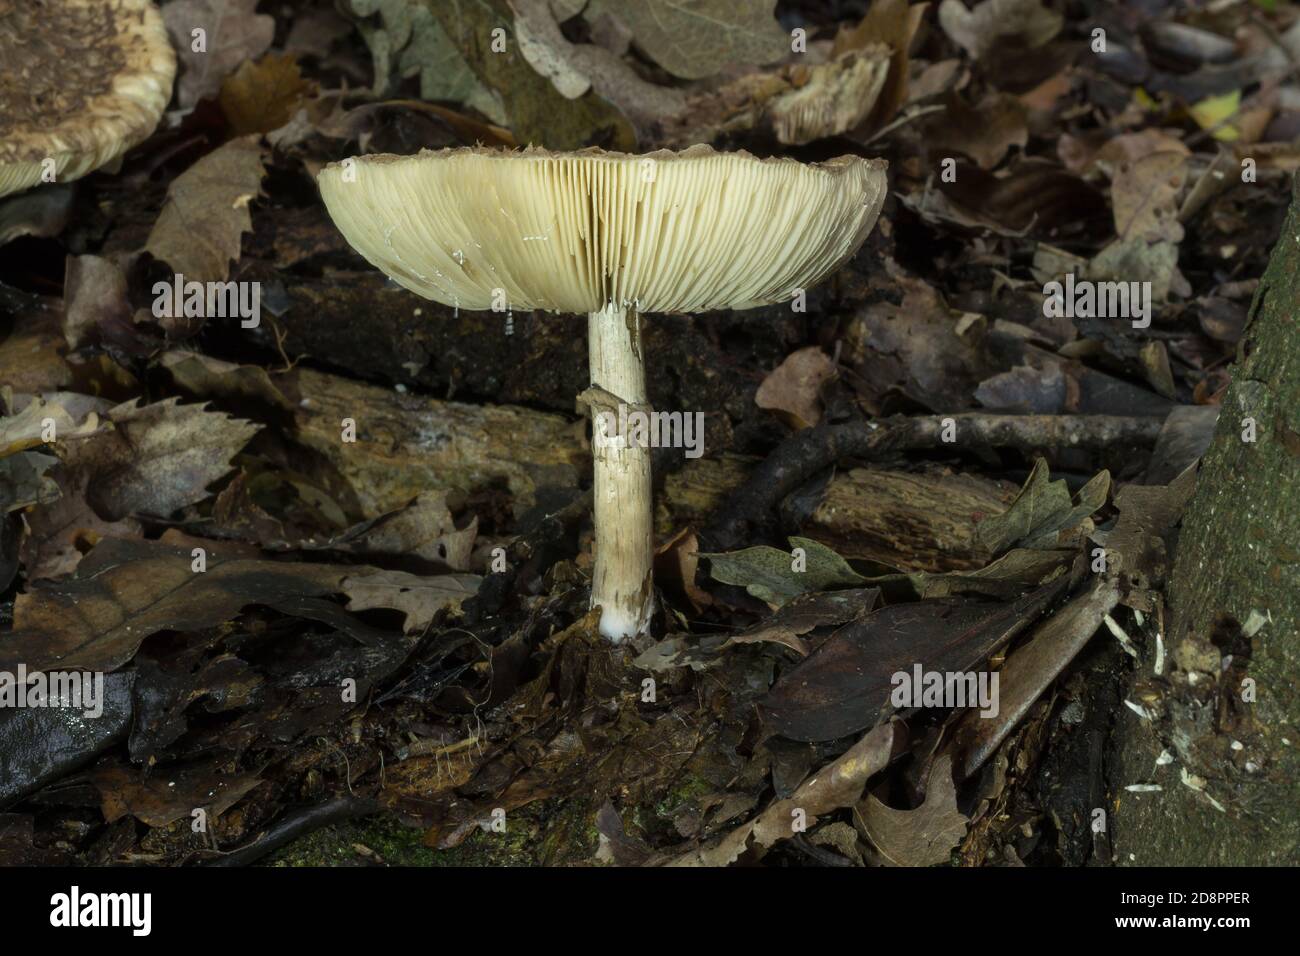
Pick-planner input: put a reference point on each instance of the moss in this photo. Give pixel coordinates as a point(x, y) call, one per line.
point(336, 845)
point(550, 832)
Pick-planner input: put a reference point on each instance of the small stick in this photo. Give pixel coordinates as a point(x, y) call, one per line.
point(807, 452)
point(296, 823)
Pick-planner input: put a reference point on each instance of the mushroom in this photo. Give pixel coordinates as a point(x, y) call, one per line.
point(615, 236)
point(82, 82)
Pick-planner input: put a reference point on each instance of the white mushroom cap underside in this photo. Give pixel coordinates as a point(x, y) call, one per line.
point(575, 232)
point(111, 113)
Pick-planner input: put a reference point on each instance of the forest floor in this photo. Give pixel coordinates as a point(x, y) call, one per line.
point(950, 457)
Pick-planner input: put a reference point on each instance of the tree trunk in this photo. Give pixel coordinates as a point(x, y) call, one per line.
point(1234, 619)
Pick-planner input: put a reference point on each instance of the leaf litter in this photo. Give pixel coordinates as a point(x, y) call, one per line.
point(352, 634)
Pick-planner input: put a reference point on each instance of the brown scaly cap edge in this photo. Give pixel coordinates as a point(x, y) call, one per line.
point(83, 81)
point(665, 231)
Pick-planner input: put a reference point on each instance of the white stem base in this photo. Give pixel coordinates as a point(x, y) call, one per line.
point(622, 584)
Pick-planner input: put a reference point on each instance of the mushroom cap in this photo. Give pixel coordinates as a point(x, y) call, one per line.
point(82, 82)
point(666, 231)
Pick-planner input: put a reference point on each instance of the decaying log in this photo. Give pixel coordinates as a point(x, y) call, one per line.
point(911, 521)
point(406, 444)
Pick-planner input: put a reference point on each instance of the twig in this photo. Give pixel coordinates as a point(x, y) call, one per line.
point(297, 823)
point(804, 454)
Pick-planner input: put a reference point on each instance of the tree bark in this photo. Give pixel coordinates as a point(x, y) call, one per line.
point(1232, 794)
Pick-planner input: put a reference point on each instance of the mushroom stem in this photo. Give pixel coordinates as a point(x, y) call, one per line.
point(622, 584)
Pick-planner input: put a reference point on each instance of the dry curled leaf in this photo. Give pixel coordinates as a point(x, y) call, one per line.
point(157, 458)
point(848, 682)
point(983, 29)
point(985, 132)
point(793, 389)
point(418, 597)
point(838, 784)
point(829, 99)
point(232, 31)
point(1144, 195)
point(1043, 515)
point(207, 211)
point(125, 590)
point(925, 836)
point(694, 39)
point(262, 96)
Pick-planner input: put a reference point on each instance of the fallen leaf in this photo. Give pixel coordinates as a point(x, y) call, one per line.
point(838, 784)
point(1043, 514)
point(203, 376)
point(39, 745)
point(776, 576)
point(1136, 260)
point(1131, 147)
point(40, 212)
point(63, 529)
point(157, 458)
point(615, 845)
point(1184, 437)
point(1136, 548)
point(96, 303)
point(1213, 113)
point(262, 96)
point(929, 360)
point(925, 836)
point(24, 481)
point(423, 529)
point(419, 598)
point(1031, 196)
point(1144, 195)
point(848, 682)
point(985, 132)
point(697, 653)
point(533, 109)
point(986, 28)
point(807, 612)
point(33, 357)
point(232, 32)
point(574, 68)
point(830, 99)
point(842, 837)
point(793, 389)
point(676, 562)
point(894, 24)
point(125, 590)
point(1029, 670)
point(161, 799)
point(410, 40)
point(207, 211)
point(45, 420)
point(694, 39)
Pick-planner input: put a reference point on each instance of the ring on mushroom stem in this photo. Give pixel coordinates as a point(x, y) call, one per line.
point(84, 81)
point(615, 236)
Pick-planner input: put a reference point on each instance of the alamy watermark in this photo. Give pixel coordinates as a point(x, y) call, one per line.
point(207, 300)
point(75, 908)
point(922, 688)
point(635, 427)
point(74, 690)
point(1086, 299)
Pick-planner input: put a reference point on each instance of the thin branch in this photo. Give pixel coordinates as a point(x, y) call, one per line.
point(804, 454)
